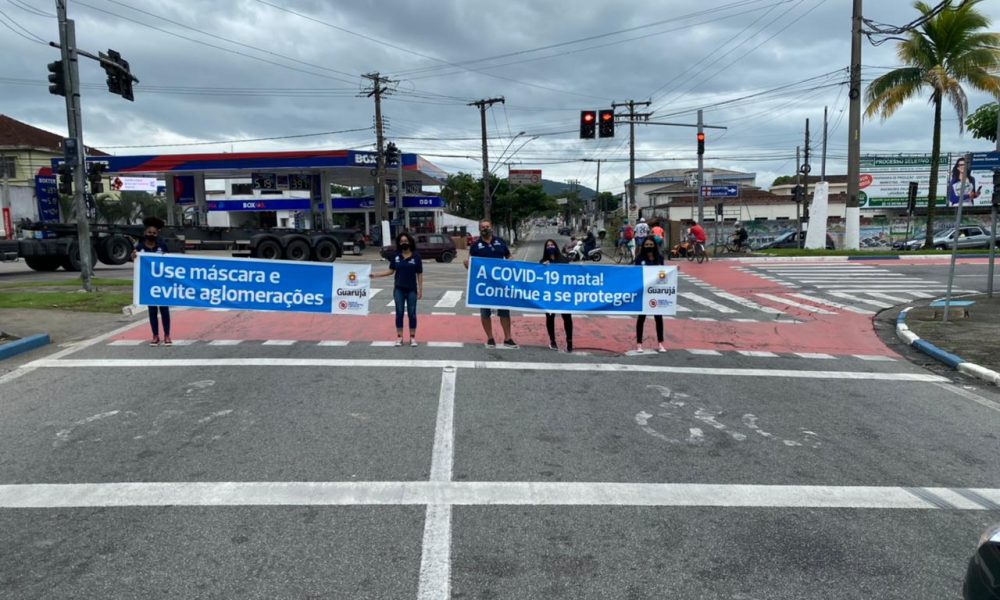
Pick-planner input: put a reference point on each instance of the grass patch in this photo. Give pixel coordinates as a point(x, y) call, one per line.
point(69, 283)
point(108, 302)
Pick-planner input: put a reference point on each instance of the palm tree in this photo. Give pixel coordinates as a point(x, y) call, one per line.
point(949, 49)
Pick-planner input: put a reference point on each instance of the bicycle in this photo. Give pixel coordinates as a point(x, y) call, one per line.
point(734, 247)
point(622, 254)
point(697, 253)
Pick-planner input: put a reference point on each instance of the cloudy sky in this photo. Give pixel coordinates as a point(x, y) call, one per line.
point(232, 70)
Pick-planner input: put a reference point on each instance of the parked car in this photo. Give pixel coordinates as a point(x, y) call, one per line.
point(790, 239)
point(565, 231)
point(437, 246)
point(982, 577)
point(971, 236)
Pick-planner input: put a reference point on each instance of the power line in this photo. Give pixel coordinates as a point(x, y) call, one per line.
point(31, 37)
point(31, 9)
point(240, 141)
point(892, 32)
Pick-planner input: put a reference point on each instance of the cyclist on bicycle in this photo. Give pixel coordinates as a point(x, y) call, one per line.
point(697, 235)
point(740, 237)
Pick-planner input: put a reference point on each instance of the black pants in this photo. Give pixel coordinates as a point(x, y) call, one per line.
point(641, 322)
point(165, 315)
point(550, 326)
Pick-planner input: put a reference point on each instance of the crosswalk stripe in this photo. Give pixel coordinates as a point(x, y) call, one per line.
point(853, 298)
point(874, 357)
point(445, 344)
point(183, 342)
point(806, 307)
point(337, 343)
point(224, 342)
point(697, 352)
point(709, 303)
point(818, 355)
point(860, 311)
point(373, 292)
point(745, 320)
point(126, 342)
point(447, 314)
point(918, 294)
point(449, 300)
point(703, 319)
point(382, 344)
point(279, 343)
point(896, 299)
point(749, 303)
point(757, 353)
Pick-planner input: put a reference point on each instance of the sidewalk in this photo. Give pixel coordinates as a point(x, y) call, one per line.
point(976, 338)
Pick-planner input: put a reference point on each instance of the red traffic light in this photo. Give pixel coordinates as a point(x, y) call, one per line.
point(588, 124)
point(701, 137)
point(607, 115)
point(588, 116)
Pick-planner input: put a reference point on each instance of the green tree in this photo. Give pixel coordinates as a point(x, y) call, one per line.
point(606, 202)
point(983, 122)
point(784, 179)
point(463, 194)
point(946, 51)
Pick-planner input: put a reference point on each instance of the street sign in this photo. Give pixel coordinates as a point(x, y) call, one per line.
point(720, 191)
point(524, 177)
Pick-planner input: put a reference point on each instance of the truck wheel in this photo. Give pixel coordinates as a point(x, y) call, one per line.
point(42, 263)
point(447, 257)
point(296, 250)
point(71, 260)
point(325, 251)
point(268, 249)
point(117, 250)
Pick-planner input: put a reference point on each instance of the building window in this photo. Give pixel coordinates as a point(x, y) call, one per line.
point(8, 167)
point(244, 189)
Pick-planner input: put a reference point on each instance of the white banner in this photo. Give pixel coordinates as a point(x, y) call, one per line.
point(659, 292)
point(134, 184)
point(351, 290)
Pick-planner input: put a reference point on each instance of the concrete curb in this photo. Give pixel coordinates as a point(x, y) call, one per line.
point(954, 361)
point(23, 345)
point(766, 259)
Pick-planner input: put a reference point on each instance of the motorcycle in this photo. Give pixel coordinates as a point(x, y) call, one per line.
point(577, 254)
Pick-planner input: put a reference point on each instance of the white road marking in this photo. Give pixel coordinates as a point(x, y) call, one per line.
point(449, 300)
point(373, 292)
point(757, 353)
point(709, 303)
point(435, 556)
point(126, 342)
point(748, 303)
point(333, 343)
point(874, 357)
point(968, 395)
point(224, 342)
point(183, 342)
point(499, 493)
point(847, 296)
point(895, 299)
point(279, 343)
point(449, 314)
point(444, 434)
point(918, 294)
point(698, 352)
point(745, 320)
point(604, 367)
point(702, 319)
point(382, 344)
point(445, 344)
point(805, 307)
point(817, 300)
point(817, 355)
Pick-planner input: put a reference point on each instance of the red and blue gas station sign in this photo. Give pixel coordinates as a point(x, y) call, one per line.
point(258, 205)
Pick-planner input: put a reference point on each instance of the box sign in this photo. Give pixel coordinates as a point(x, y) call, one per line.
point(134, 184)
point(258, 205)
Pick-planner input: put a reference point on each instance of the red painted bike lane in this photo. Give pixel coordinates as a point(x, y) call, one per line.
point(842, 333)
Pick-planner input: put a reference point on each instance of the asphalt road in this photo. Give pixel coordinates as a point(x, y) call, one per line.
point(261, 470)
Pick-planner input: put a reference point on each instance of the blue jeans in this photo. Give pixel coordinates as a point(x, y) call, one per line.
point(154, 325)
point(409, 299)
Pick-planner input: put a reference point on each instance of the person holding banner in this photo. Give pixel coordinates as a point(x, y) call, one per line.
point(551, 254)
point(649, 255)
point(408, 286)
point(490, 246)
point(151, 242)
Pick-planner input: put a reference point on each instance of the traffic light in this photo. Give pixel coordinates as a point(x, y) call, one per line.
point(588, 124)
point(65, 179)
point(57, 80)
point(701, 143)
point(94, 172)
point(718, 209)
point(391, 153)
point(119, 76)
point(797, 193)
point(607, 123)
point(911, 198)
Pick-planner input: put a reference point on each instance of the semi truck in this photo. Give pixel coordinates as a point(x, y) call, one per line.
point(50, 246)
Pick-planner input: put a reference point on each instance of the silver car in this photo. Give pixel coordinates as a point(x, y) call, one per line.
point(971, 236)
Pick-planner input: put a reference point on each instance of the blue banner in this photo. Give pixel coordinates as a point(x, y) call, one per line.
point(571, 288)
point(258, 205)
point(368, 202)
point(242, 284)
point(48, 198)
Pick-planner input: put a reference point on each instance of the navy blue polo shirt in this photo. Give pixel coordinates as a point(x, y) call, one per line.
point(406, 270)
point(160, 248)
point(496, 248)
point(642, 261)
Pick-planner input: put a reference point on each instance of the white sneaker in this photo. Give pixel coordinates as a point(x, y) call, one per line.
point(661, 349)
point(413, 343)
point(399, 342)
point(638, 349)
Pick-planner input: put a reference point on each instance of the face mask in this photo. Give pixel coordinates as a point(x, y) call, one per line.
point(487, 231)
point(550, 250)
point(404, 246)
point(150, 236)
point(648, 249)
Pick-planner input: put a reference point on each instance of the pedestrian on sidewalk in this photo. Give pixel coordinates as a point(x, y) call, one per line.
point(408, 286)
point(649, 255)
point(551, 255)
point(658, 235)
point(490, 246)
point(641, 231)
point(152, 243)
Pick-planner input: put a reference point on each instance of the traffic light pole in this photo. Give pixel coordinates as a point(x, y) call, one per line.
point(701, 171)
point(74, 120)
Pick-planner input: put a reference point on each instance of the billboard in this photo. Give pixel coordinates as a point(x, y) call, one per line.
point(885, 180)
point(524, 176)
point(134, 184)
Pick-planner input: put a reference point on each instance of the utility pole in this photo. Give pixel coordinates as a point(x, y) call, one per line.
point(822, 169)
point(482, 105)
point(852, 235)
point(631, 116)
point(798, 191)
point(993, 210)
point(5, 197)
point(806, 168)
point(74, 121)
point(701, 171)
point(378, 89)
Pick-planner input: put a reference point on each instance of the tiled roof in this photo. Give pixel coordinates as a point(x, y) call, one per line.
point(17, 134)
